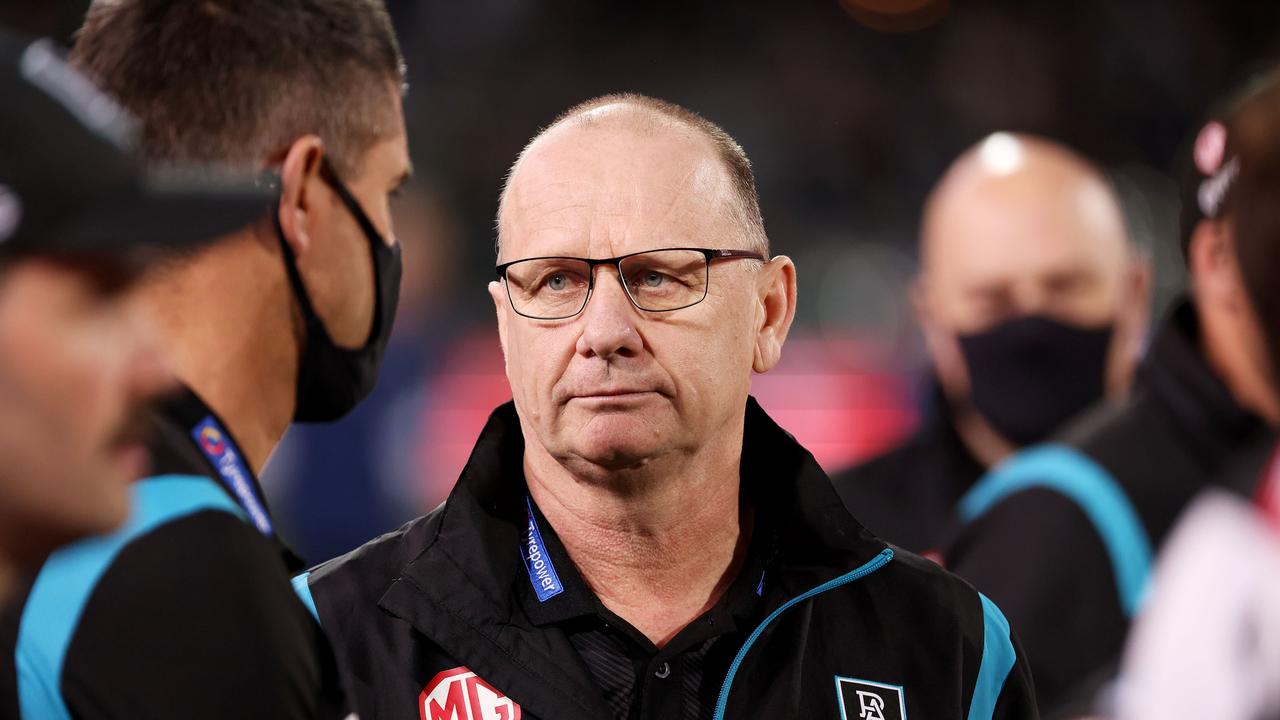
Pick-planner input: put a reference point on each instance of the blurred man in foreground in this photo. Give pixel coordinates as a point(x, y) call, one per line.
point(1063, 535)
point(633, 537)
point(1211, 626)
point(189, 612)
point(1033, 305)
point(79, 225)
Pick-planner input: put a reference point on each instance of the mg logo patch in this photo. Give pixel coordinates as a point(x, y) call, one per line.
point(458, 694)
point(867, 700)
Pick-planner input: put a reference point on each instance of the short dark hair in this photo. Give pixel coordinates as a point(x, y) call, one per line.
point(1252, 202)
point(1252, 197)
point(730, 153)
point(235, 81)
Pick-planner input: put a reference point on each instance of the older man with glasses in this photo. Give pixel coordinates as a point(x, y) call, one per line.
point(633, 537)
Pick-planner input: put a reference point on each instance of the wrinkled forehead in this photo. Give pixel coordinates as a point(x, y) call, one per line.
point(599, 191)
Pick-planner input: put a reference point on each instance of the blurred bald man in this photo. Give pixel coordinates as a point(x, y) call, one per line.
point(1063, 535)
point(1033, 305)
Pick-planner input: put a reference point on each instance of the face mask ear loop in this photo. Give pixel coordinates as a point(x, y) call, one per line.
point(291, 267)
point(370, 232)
point(353, 206)
point(270, 180)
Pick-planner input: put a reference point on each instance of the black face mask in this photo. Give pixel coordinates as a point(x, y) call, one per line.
point(331, 379)
point(1030, 374)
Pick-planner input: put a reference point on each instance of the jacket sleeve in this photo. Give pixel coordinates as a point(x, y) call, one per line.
point(197, 619)
point(1002, 686)
point(1040, 559)
point(1018, 698)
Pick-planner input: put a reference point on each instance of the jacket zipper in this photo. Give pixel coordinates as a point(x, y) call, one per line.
point(866, 569)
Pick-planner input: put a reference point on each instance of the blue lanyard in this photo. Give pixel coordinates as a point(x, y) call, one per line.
point(546, 583)
point(216, 444)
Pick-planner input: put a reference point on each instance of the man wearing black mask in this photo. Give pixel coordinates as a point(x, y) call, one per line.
point(1063, 535)
point(1033, 305)
point(188, 611)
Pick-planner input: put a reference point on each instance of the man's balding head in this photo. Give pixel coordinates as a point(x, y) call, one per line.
point(1016, 226)
point(1022, 228)
point(648, 117)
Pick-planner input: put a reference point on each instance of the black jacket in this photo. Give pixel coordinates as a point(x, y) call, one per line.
point(1062, 536)
point(438, 612)
point(908, 495)
point(185, 612)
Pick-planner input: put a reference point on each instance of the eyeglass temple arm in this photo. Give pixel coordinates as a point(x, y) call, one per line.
point(752, 254)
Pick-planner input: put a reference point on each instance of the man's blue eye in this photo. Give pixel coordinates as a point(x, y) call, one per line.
point(653, 279)
point(557, 282)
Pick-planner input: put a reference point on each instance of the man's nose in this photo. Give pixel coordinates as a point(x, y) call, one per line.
point(609, 320)
point(1031, 297)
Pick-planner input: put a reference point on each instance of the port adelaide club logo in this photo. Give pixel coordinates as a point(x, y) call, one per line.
point(867, 700)
point(458, 694)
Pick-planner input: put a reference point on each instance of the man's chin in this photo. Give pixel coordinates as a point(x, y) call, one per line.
point(614, 464)
point(612, 453)
point(128, 462)
point(590, 442)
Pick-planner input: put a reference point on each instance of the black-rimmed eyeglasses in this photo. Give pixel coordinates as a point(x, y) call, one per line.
point(557, 288)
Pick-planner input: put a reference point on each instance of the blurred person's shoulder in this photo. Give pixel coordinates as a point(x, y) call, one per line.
point(1209, 621)
point(893, 470)
point(1071, 503)
point(1123, 453)
point(908, 493)
point(143, 617)
point(1119, 435)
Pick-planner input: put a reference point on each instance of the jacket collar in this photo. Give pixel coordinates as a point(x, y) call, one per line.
point(478, 541)
point(574, 599)
point(1178, 376)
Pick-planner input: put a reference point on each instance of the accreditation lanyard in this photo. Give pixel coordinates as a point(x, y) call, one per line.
point(227, 460)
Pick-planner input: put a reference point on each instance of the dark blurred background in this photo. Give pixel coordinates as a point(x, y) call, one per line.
point(849, 110)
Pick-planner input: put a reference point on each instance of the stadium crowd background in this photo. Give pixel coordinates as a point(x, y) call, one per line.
point(848, 128)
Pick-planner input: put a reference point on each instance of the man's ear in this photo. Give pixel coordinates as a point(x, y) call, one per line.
point(299, 182)
point(940, 342)
point(1132, 320)
point(499, 295)
point(776, 289)
point(1215, 273)
point(1136, 313)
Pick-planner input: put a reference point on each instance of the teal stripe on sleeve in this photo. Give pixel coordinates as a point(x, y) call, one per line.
point(68, 578)
point(998, 657)
point(1080, 479)
point(302, 587)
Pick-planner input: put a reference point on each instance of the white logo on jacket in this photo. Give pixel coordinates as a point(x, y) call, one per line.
point(871, 705)
point(869, 700)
